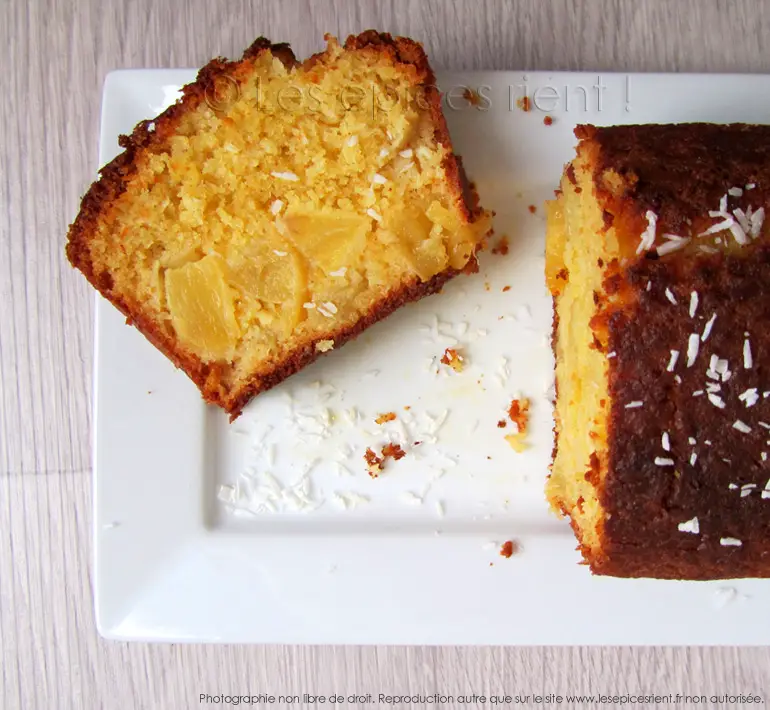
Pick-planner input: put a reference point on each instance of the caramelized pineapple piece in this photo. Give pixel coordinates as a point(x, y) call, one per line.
point(329, 240)
point(201, 306)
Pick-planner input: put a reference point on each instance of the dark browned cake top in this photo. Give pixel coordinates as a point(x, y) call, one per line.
point(690, 352)
point(681, 171)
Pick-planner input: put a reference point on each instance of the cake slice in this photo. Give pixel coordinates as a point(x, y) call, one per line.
point(278, 209)
point(659, 264)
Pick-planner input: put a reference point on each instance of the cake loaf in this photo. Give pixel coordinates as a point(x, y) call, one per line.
point(278, 209)
point(658, 261)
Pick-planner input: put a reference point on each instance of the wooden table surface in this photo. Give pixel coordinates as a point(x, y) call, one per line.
point(54, 58)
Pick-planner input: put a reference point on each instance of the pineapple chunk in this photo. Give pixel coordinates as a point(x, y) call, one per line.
point(275, 276)
point(329, 240)
point(201, 307)
point(425, 252)
point(461, 238)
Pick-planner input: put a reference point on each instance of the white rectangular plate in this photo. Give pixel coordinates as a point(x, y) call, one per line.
point(418, 561)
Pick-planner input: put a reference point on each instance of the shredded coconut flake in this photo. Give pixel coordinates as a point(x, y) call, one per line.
point(411, 498)
point(730, 542)
point(611, 355)
point(748, 361)
point(647, 238)
point(379, 179)
point(693, 303)
point(353, 140)
point(276, 206)
point(737, 231)
point(697, 393)
point(749, 397)
point(757, 218)
point(741, 426)
point(716, 400)
point(707, 328)
point(670, 296)
point(690, 526)
point(718, 227)
point(692, 349)
point(743, 219)
point(291, 177)
point(766, 490)
point(339, 272)
point(693, 458)
point(634, 405)
point(374, 215)
point(735, 191)
point(661, 461)
point(665, 441)
point(671, 245)
point(750, 186)
point(672, 360)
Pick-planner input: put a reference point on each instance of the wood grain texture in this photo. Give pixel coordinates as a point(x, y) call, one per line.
point(55, 56)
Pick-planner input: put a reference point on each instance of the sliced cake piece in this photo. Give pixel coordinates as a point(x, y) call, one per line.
point(658, 260)
point(278, 209)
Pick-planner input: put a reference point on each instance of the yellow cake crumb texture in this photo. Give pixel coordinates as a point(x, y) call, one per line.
point(577, 249)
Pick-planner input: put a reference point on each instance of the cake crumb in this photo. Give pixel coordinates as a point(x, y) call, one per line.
point(472, 97)
point(387, 417)
point(324, 346)
point(519, 414)
point(508, 549)
point(506, 288)
point(502, 246)
point(393, 451)
point(524, 104)
point(373, 463)
point(548, 120)
point(454, 359)
point(532, 209)
point(501, 424)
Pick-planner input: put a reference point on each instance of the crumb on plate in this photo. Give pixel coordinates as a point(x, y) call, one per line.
point(454, 359)
point(502, 246)
point(508, 549)
point(373, 463)
point(386, 417)
point(524, 103)
point(472, 97)
point(519, 415)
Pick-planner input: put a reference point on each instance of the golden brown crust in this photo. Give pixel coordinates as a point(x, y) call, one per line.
point(152, 134)
point(681, 173)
